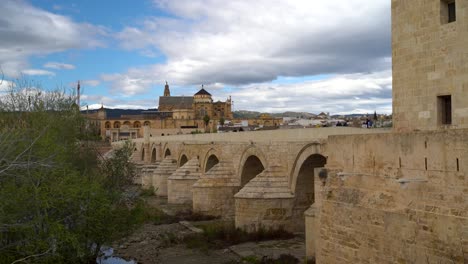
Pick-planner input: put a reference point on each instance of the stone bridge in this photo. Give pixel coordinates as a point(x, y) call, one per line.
point(259, 179)
point(377, 186)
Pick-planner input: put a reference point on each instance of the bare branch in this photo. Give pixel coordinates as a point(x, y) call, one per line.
point(24, 151)
point(32, 256)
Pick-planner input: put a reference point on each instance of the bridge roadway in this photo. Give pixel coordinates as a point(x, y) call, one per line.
point(259, 179)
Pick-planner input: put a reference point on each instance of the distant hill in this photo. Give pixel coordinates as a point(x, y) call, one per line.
point(245, 114)
point(305, 115)
point(115, 113)
point(294, 114)
point(254, 114)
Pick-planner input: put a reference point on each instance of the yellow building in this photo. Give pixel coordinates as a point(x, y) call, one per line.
point(175, 115)
point(194, 107)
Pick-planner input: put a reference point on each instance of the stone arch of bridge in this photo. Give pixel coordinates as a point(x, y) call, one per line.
point(302, 156)
point(142, 154)
point(252, 163)
point(302, 182)
point(167, 151)
point(210, 159)
point(156, 148)
point(183, 158)
point(153, 155)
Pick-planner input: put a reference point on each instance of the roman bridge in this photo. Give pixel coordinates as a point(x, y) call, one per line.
point(263, 178)
point(377, 187)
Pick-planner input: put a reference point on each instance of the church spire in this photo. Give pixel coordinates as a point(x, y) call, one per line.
point(167, 92)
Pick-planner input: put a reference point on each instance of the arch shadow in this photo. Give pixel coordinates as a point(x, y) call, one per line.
point(207, 164)
point(153, 155)
point(252, 163)
point(182, 160)
point(304, 153)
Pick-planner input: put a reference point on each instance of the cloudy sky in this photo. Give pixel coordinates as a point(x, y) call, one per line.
point(269, 55)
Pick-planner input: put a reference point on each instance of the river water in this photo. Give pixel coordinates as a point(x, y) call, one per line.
point(108, 258)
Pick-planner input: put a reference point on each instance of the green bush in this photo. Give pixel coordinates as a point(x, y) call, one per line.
point(58, 202)
point(148, 192)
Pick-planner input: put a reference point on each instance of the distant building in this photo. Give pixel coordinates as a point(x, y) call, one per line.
point(175, 115)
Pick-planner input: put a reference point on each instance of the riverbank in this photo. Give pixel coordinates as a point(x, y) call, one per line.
point(198, 240)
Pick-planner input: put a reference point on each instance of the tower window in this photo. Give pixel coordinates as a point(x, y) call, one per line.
point(451, 12)
point(447, 11)
point(444, 104)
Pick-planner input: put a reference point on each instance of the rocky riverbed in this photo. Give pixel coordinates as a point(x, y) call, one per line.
point(166, 243)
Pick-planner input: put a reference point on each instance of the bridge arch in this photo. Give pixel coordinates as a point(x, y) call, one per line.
point(153, 155)
point(182, 160)
point(302, 182)
point(210, 159)
point(252, 163)
point(306, 152)
point(166, 151)
point(211, 162)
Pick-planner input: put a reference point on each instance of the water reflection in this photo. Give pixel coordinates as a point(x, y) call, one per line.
point(108, 258)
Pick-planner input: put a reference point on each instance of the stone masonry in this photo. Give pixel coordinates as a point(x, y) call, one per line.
point(360, 196)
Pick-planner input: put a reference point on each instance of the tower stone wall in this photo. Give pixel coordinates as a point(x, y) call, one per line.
point(430, 64)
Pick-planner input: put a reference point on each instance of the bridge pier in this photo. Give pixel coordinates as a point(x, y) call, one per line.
point(179, 184)
point(312, 231)
point(265, 202)
point(213, 193)
point(146, 175)
point(159, 178)
point(312, 215)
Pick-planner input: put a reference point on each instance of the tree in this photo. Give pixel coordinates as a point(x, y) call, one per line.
point(55, 205)
point(221, 121)
point(118, 169)
point(206, 120)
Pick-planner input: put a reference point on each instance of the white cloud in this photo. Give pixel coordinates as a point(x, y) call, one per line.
point(6, 85)
point(59, 66)
point(243, 42)
point(92, 83)
point(340, 94)
point(29, 31)
point(37, 72)
point(351, 93)
point(126, 85)
point(95, 101)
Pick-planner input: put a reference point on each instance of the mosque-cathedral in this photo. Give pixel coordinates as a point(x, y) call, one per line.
point(175, 115)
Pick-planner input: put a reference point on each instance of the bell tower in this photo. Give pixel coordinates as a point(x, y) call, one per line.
point(167, 92)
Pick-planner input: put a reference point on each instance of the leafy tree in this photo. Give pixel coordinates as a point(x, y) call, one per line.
point(118, 169)
point(206, 120)
point(55, 204)
point(222, 121)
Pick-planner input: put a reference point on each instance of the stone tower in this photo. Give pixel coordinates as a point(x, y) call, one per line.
point(202, 103)
point(430, 64)
point(167, 92)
